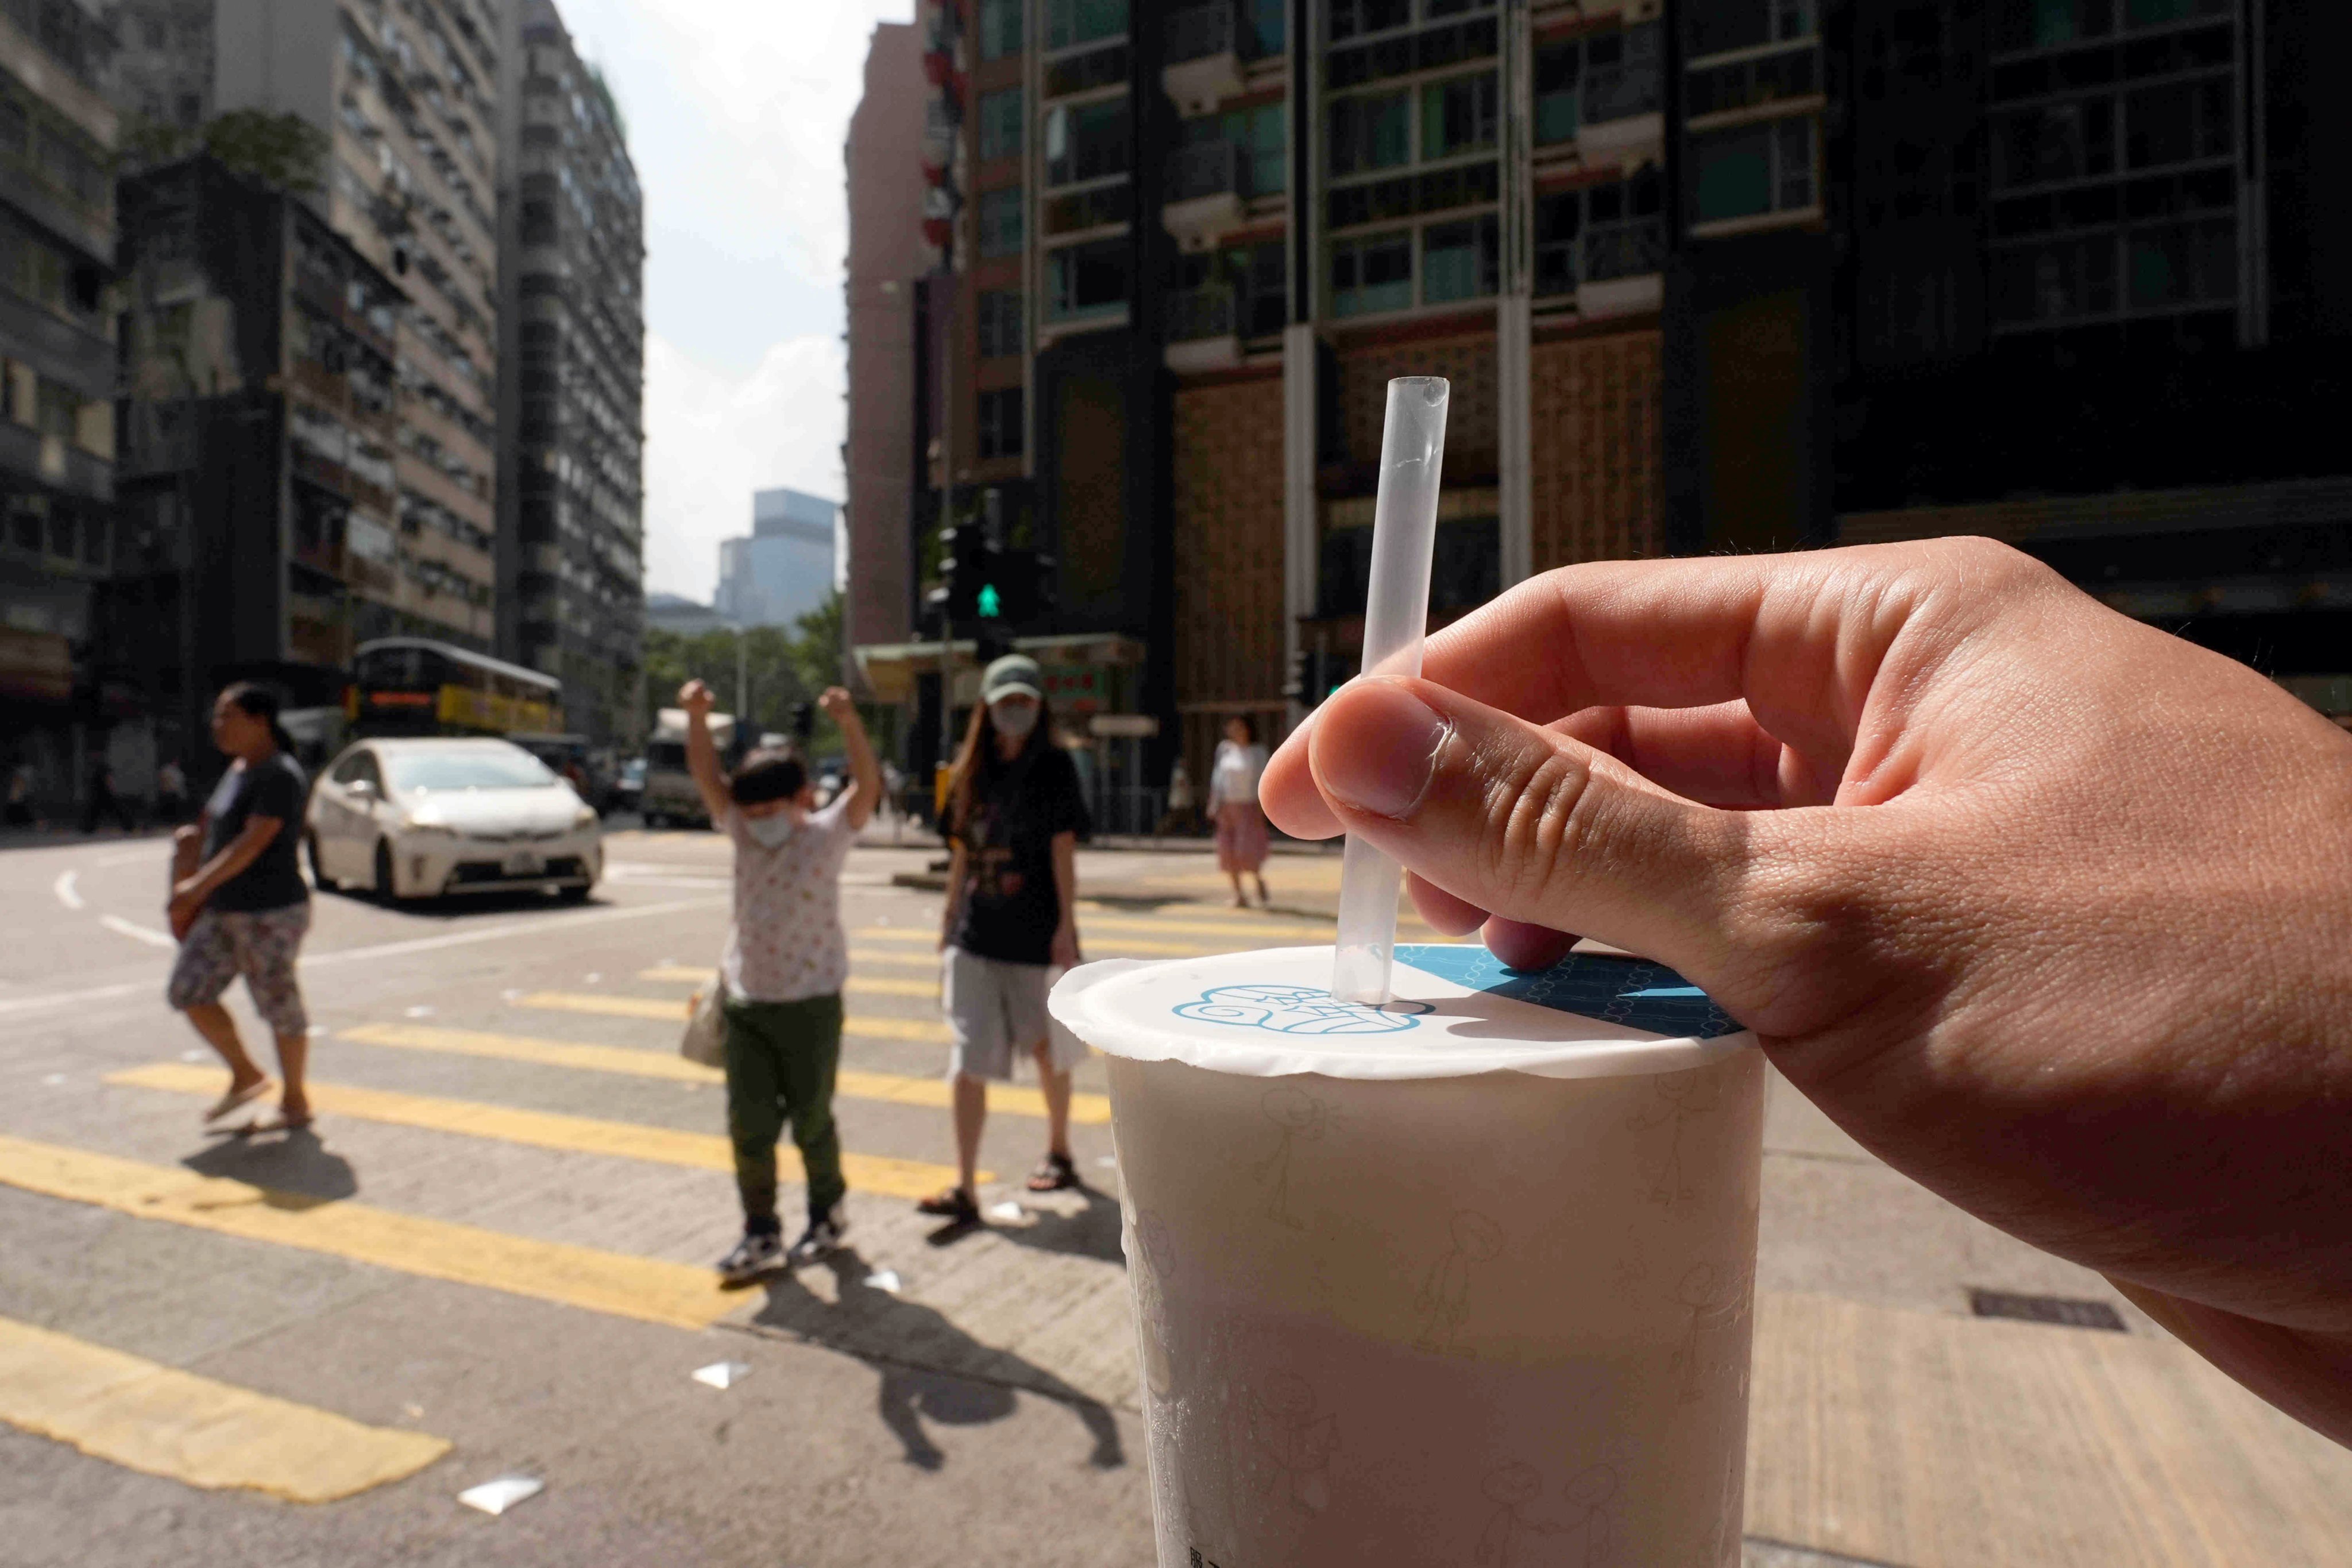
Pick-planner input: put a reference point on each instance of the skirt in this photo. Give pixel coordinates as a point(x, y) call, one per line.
point(1241, 837)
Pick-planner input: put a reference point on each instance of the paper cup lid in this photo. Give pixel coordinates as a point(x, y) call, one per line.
point(1456, 1011)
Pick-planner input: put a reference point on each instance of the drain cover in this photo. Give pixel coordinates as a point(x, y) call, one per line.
point(2060, 1309)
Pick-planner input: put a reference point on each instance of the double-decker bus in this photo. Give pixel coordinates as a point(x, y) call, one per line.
point(414, 686)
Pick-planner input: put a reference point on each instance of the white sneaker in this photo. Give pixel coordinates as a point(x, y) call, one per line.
point(756, 1254)
point(823, 1236)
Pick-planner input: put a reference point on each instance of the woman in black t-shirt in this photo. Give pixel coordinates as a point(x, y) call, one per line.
point(240, 905)
point(1013, 816)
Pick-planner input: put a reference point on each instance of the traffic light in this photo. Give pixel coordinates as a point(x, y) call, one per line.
point(1305, 686)
point(1024, 583)
point(965, 565)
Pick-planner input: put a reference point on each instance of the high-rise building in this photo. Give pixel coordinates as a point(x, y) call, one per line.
point(572, 259)
point(257, 475)
point(1724, 274)
point(785, 567)
point(887, 254)
point(64, 564)
point(403, 93)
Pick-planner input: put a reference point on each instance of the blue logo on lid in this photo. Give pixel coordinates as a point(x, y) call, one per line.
point(1299, 1010)
point(1649, 996)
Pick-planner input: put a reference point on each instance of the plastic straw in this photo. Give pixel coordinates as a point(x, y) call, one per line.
point(1396, 620)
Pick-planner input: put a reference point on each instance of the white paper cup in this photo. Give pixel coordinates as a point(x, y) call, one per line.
point(1466, 1278)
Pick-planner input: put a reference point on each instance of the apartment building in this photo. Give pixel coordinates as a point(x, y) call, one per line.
point(572, 261)
point(1715, 275)
point(406, 93)
point(1189, 254)
point(65, 568)
point(259, 434)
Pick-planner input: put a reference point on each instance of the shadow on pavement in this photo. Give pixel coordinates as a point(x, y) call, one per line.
point(295, 1169)
point(1088, 1232)
point(929, 1366)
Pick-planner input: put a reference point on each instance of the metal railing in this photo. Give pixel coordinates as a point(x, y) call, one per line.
point(1625, 250)
point(1204, 313)
point(1615, 93)
point(1207, 169)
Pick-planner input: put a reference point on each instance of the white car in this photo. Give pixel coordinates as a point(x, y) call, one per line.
point(419, 818)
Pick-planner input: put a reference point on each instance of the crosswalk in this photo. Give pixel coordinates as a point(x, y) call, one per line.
point(149, 1416)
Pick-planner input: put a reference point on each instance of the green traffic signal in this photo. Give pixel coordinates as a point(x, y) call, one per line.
point(992, 603)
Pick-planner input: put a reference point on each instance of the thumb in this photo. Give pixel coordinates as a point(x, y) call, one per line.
point(1530, 825)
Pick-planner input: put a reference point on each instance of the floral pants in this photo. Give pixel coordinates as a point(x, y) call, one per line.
point(262, 945)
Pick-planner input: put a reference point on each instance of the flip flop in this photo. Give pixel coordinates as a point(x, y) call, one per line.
point(236, 1097)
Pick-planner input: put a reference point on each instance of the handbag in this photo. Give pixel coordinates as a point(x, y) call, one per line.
point(704, 1041)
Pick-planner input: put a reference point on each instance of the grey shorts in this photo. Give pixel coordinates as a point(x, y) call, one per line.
point(262, 945)
point(998, 1009)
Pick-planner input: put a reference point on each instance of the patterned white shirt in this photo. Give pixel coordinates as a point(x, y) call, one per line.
point(787, 944)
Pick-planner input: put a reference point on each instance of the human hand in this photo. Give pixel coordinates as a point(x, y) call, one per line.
point(187, 903)
point(695, 697)
point(838, 705)
point(2049, 910)
point(1063, 953)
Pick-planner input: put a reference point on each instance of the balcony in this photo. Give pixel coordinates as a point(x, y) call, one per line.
point(1622, 110)
point(1611, 269)
point(1202, 330)
point(1207, 47)
point(1208, 193)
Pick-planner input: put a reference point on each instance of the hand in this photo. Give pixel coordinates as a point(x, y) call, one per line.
point(2051, 911)
point(1064, 954)
point(695, 697)
point(838, 705)
point(187, 903)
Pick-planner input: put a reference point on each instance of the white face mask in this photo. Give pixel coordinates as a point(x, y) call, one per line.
point(770, 831)
point(1015, 720)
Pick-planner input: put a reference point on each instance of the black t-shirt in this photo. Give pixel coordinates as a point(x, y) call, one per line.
point(275, 788)
point(1011, 906)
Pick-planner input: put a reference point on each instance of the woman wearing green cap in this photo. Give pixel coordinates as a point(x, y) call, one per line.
point(1013, 816)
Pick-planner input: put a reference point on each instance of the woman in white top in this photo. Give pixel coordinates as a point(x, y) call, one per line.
point(1233, 801)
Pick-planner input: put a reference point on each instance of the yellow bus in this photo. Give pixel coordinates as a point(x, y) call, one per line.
point(414, 686)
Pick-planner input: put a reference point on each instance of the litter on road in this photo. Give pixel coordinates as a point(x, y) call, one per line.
point(494, 1498)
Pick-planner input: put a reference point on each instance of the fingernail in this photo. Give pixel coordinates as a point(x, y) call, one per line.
point(1376, 747)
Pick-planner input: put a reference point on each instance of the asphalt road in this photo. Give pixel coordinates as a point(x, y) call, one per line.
point(492, 1259)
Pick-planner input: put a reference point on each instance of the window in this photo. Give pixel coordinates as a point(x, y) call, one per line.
point(1088, 143)
point(1558, 71)
point(1622, 75)
point(1457, 116)
point(1352, 18)
point(1000, 222)
point(1000, 323)
point(2055, 24)
point(1000, 29)
point(1000, 424)
point(1457, 261)
point(1069, 23)
point(1371, 132)
point(1373, 274)
point(1598, 232)
point(1270, 20)
point(2179, 122)
point(1000, 122)
point(1717, 26)
point(1753, 170)
point(1086, 280)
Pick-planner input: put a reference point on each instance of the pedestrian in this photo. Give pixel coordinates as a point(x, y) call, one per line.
point(785, 964)
point(19, 805)
point(102, 801)
point(1013, 816)
point(240, 905)
point(1233, 801)
point(171, 793)
point(1179, 820)
point(1983, 863)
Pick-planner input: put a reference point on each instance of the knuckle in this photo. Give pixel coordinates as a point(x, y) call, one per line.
point(1539, 827)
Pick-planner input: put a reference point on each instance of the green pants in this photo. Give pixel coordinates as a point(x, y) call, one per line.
point(781, 1058)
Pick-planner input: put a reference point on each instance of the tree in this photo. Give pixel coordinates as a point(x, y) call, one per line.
point(284, 152)
point(783, 668)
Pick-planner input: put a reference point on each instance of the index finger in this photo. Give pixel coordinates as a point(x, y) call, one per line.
point(1800, 637)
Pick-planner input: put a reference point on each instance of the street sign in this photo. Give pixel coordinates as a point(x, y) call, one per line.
point(1123, 726)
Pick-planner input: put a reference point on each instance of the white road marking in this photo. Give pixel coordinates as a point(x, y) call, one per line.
point(147, 935)
point(64, 998)
point(63, 887)
point(488, 934)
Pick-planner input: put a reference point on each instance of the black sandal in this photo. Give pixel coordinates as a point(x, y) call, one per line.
point(951, 1203)
point(1055, 1173)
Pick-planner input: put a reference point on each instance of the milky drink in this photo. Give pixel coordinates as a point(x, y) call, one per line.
point(1464, 1279)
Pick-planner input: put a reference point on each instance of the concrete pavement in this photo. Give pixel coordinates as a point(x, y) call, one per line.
point(497, 1239)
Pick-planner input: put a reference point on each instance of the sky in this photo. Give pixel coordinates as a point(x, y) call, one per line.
point(736, 112)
